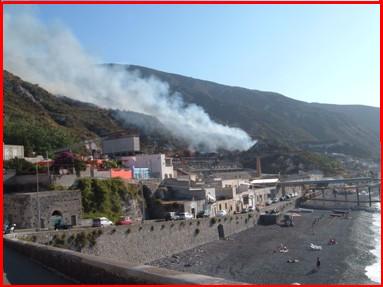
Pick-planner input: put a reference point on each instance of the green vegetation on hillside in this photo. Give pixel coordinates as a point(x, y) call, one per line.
point(43, 122)
point(21, 166)
point(104, 197)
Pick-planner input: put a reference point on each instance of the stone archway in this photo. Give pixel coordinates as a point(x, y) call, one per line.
point(56, 218)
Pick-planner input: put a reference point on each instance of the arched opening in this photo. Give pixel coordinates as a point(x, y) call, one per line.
point(56, 218)
point(221, 232)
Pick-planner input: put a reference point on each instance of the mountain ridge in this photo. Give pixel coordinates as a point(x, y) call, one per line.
point(278, 116)
point(266, 116)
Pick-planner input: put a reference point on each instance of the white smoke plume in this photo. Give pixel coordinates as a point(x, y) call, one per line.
point(52, 57)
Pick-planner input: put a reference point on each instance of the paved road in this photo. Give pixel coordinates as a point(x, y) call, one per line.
point(19, 269)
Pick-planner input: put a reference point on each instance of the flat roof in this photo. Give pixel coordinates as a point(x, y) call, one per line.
point(265, 180)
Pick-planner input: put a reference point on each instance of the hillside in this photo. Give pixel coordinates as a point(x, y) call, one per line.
point(268, 115)
point(44, 122)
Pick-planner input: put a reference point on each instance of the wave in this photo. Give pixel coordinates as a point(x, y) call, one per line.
point(374, 271)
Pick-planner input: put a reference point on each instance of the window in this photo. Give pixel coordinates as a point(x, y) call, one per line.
point(225, 205)
point(220, 207)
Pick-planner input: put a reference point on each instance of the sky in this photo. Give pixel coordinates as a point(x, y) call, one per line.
point(312, 53)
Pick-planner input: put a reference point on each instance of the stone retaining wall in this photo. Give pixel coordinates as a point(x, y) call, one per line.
point(90, 269)
point(141, 243)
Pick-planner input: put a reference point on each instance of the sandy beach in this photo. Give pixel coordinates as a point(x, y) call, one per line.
point(253, 256)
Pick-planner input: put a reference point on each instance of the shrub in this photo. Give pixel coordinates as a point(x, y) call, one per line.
point(213, 220)
point(70, 239)
point(80, 240)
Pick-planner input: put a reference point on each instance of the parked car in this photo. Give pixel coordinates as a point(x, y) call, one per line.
point(124, 221)
point(203, 213)
point(275, 200)
point(9, 228)
point(184, 215)
point(101, 222)
point(171, 216)
point(221, 213)
point(269, 202)
point(274, 211)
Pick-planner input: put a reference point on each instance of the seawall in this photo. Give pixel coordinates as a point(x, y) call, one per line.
point(91, 269)
point(141, 243)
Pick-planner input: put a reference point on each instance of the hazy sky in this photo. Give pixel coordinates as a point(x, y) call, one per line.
point(314, 53)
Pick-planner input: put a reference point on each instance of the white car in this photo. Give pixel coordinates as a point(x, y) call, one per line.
point(221, 213)
point(184, 215)
point(101, 222)
point(269, 202)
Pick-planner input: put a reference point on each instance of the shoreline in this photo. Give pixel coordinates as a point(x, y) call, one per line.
point(373, 271)
point(251, 256)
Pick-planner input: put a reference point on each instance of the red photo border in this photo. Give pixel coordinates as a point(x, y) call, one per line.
point(175, 2)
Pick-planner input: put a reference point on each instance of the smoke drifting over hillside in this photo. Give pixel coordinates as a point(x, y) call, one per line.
point(53, 58)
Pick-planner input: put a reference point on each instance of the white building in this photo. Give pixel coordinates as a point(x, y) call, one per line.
point(12, 151)
point(159, 166)
point(263, 188)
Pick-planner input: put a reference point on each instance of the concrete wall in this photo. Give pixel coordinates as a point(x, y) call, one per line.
point(22, 208)
point(142, 243)
point(89, 269)
point(66, 180)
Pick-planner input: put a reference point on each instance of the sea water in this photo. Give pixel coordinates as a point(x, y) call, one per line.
point(374, 271)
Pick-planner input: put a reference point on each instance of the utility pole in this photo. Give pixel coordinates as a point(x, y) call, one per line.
point(143, 201)
point(38, 198)
point(49, 173)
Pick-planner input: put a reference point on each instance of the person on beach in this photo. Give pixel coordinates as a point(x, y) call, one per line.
point(318, 263)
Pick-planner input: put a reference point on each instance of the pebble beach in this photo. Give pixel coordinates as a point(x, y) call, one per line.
point(253, 256)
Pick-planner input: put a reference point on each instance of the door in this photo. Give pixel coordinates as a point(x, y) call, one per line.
point(221, 232)
point(73, 220)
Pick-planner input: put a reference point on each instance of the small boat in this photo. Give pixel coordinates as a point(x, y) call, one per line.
point(336, 215)
point(315, 247)
point(341, 211)
point(306, 210)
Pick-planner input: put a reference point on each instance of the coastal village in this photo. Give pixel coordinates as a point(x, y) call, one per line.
point(46, 196)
